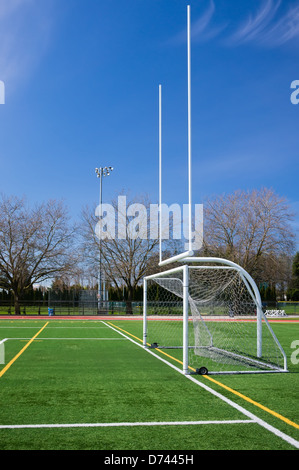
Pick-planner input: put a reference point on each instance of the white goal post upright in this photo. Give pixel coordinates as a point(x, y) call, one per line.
point(206, 309)
point(185, 309)
point(189, 129)
point(185, 319)
point(189, 252)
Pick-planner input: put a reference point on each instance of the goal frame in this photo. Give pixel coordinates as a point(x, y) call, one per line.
point(184, 259)
point(205, 262)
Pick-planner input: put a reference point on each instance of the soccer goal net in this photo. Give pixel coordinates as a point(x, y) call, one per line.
point(209, 319)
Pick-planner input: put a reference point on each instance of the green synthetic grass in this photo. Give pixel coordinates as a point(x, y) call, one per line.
point(78, 372)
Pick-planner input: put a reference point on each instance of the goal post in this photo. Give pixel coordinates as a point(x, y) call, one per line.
point(208, 316)
point(206, 312)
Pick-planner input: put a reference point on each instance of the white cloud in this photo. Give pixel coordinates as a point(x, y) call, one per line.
point(274, 23)
point(8, 7)
point(270, 26)
point(202, 28)
point(25, 27)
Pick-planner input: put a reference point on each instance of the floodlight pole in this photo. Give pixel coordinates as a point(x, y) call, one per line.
point(100, 172)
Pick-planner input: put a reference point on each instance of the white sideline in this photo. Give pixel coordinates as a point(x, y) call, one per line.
point(114, 425)
point(55, 327)
point(247, 413)
point(89, 339)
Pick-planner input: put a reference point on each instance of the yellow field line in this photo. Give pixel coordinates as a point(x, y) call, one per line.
point(2, 372)
point(138, 339)
point(244, 397)
point(277, 415)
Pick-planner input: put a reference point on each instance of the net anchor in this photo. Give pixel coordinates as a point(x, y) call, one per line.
point(202, 371)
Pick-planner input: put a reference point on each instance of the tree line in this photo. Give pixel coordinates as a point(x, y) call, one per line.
point(42, 244)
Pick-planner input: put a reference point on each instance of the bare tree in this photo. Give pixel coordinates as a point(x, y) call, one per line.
point(293, 288)
point(35, 244)
point(253, 229)
point(126, 259)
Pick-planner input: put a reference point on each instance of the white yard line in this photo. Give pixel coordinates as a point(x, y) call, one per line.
point(44, 339)
point(58, 327)
point(126, 424)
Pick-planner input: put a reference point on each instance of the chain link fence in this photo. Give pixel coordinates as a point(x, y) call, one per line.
point(73, 303)
point(86, 303)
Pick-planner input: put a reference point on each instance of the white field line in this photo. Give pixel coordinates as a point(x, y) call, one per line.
point(57, 327)
point(45, 339)
point(247, 413)
point(65, 327)
point(111, 425)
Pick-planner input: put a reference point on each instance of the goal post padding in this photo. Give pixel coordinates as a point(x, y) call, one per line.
point(210, 315)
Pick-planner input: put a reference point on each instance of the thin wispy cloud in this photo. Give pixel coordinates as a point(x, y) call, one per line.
point(269, 25)
point(8, 7)
point(272, 23)
point(285, 29)
point(202, 28)
point(255, 26)
point(25, 27)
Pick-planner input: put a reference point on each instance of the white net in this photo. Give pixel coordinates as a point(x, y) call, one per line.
point(222, 326)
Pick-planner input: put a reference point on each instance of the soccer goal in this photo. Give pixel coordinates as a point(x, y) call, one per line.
point(209, 318)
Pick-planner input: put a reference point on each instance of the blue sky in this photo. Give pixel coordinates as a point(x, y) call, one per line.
point(81, 91)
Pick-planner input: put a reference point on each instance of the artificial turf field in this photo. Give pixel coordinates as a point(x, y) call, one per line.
point(72, 384)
